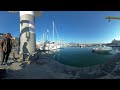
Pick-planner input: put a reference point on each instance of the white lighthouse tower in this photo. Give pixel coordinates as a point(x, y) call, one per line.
point(27, 31)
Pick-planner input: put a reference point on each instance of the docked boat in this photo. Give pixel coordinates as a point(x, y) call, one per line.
point(102, 49)
point(49, 46)
point(45, 47)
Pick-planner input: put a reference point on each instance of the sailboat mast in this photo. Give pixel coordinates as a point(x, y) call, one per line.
point(47, 35)
point(53, 30)
point(43, 37)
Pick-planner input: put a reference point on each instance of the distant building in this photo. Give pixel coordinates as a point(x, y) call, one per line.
point(1, 36)
point(115, 42)
point(16, 38)
point(16, 43)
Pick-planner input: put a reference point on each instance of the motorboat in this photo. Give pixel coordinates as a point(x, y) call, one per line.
point(102, 49)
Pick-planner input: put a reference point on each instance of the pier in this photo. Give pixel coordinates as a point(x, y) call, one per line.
point(43, 67)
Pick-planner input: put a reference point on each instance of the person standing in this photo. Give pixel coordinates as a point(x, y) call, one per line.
point(6, 48)
point(19, 45)
point(0, 52)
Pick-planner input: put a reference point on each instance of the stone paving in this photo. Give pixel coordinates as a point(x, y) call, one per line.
point(47, 68)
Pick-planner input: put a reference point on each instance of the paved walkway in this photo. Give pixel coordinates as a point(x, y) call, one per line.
point(46, 68)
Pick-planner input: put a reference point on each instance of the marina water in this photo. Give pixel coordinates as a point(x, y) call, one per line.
point(81, 57)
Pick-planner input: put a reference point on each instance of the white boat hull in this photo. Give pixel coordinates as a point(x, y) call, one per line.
point(50, 46)
point(102, 49)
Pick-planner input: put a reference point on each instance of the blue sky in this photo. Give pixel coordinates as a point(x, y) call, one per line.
point(72, 26)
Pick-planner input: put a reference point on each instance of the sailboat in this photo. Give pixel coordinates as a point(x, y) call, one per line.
point(45, 46)
point(51, 45)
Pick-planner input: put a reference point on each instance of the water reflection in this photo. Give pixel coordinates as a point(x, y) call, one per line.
point(79, 57)
point(51, 52)
point(114, 51)
point(103, 53)
point(116, 48)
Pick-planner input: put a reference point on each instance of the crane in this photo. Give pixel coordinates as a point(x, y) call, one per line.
point(112, 17)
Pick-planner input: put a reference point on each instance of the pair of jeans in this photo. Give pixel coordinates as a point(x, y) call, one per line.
point(5, 56)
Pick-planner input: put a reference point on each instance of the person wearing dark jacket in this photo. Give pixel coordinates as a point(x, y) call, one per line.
point(6, 45)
